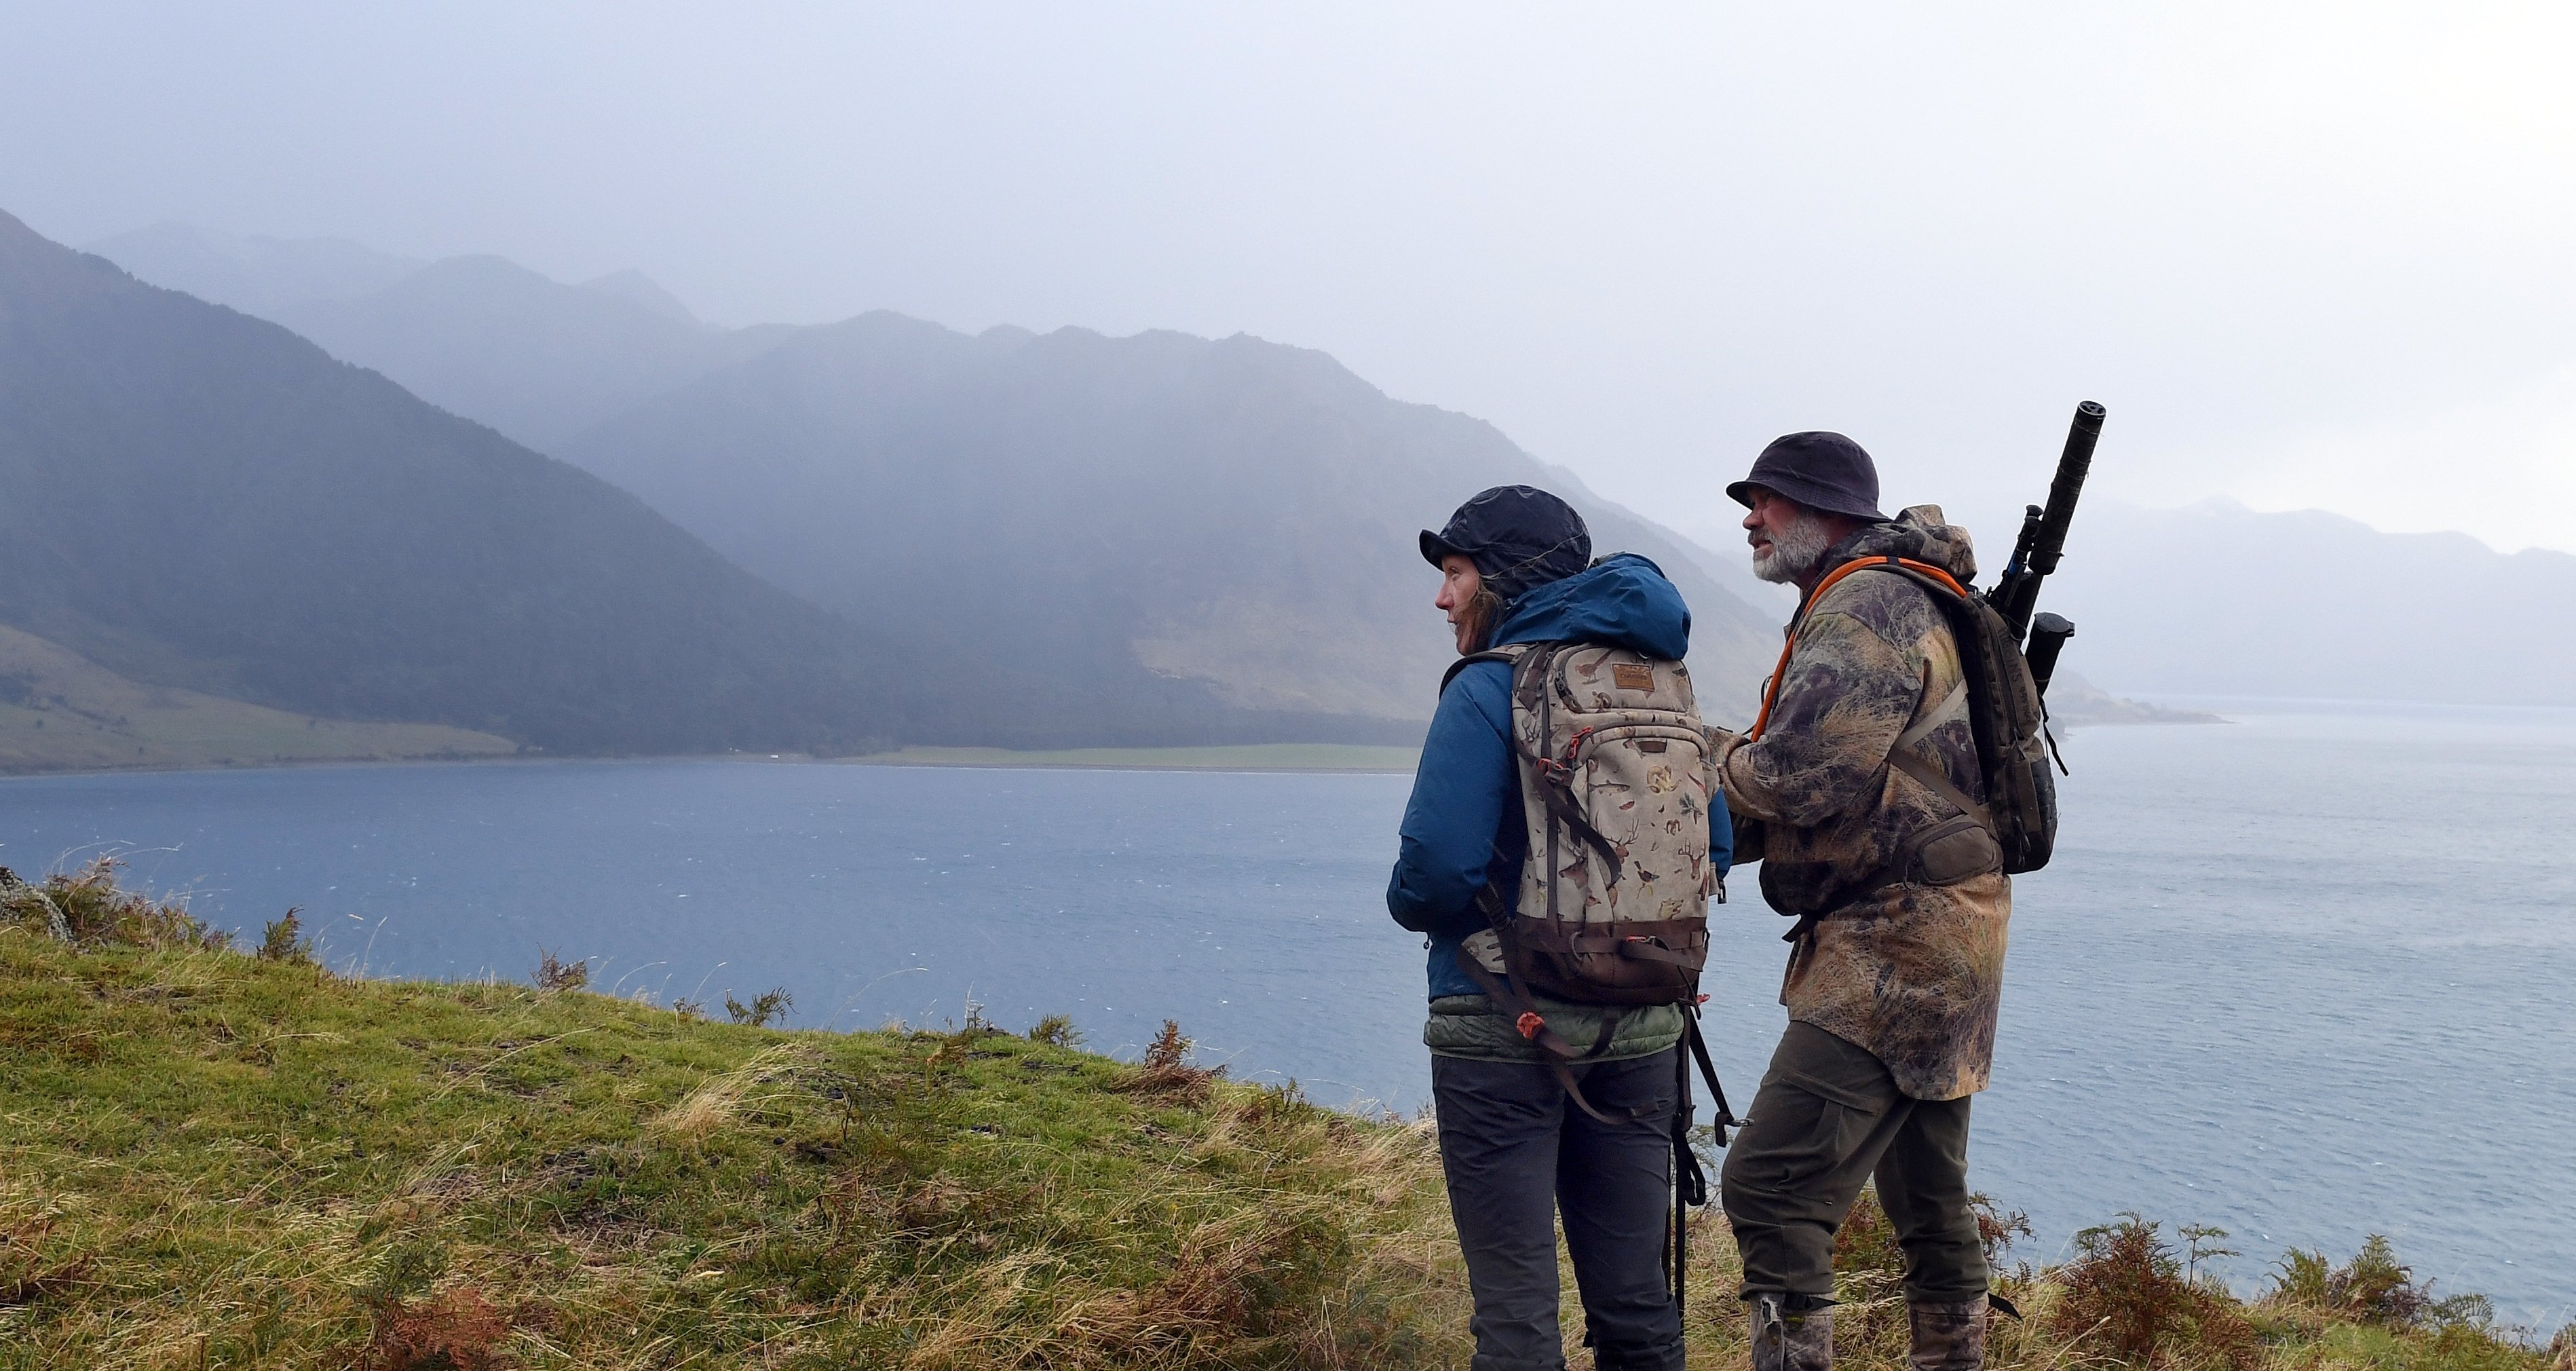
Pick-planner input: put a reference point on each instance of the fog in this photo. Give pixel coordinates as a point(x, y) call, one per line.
point(2308, 255)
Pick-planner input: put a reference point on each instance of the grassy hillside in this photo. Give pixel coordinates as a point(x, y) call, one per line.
point(210, 1158)
point(61, 712)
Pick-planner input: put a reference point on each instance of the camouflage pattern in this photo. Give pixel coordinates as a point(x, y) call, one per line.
point(1946, 1335)
point(1786, 1339)
point(1911, 973)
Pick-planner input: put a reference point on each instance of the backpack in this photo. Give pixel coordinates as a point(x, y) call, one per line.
point(2015, 830)
point(1611, 904)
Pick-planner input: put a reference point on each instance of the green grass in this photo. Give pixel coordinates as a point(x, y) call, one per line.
point(212, 1159)
point(62, 712)
point(1247, 757)
point(218, 1158)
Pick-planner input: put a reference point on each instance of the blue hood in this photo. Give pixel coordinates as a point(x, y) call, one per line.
point(1625, 600)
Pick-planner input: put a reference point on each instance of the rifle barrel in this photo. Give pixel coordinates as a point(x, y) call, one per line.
point(2072, 467)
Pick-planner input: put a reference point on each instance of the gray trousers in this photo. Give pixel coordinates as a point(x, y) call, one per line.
point(1826, 1118)
point(1517, 1154)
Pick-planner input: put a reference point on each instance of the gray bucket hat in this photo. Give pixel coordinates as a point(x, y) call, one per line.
point(1820, 470)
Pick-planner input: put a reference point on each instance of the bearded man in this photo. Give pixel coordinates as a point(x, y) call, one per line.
point(1896, 963)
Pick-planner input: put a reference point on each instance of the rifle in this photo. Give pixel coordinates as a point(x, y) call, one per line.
point(2042, 543)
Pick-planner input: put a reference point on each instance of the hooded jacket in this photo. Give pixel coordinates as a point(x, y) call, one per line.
point(1911, 973)
point(1464, 825)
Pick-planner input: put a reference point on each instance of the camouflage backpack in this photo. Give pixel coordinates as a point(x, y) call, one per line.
point(1612, 902)
point(2015, 829)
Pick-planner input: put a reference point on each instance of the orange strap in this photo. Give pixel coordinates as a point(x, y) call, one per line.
point(1771, 693)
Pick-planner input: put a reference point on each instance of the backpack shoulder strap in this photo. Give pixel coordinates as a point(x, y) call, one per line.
point(1942, 586)
point(1930, 577)
point(1510, 653)
point(1901, 754)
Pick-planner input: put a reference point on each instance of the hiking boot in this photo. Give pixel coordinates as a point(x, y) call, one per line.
point(1947, 1335)
point(1786, 1339)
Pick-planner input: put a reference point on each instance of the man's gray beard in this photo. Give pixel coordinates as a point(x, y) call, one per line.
point(1795, 550)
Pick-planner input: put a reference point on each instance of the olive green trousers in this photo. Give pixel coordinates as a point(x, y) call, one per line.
point(1827, 1118)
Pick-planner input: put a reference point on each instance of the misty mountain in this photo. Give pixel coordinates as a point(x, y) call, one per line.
point(532, 357)
point(1073, 527)
point(637, 288)
point(478, 336)
point(199, 499)
point(2217, 599)
point(253, 274)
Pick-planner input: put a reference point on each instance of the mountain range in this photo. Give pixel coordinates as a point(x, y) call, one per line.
point(845, 536)
point(1080, 522)
point(479, 336)
point(203, 500)
point(2218, 599)
point(1060, 541)
point(1074, 539)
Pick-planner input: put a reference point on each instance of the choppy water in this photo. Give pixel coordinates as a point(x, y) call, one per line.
point(2305, 976)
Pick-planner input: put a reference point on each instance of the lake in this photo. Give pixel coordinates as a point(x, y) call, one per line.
point(2305, 975)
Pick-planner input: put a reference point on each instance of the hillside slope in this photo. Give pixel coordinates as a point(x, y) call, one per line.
point(1093, 526)
point(214, 1159)
point(202, 500)
point(250, 272)
point(259, 1163)
point(59, 712)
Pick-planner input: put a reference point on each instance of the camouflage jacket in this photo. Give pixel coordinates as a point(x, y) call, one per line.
point(1911, 973)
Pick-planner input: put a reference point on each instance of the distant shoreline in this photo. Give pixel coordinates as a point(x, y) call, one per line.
point(1311, 757)
point(1317, 758)
point(1321, 758)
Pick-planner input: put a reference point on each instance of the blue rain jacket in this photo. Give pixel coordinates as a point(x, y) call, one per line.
point(1463, 824)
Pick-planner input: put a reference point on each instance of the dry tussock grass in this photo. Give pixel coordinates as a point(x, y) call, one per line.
point(714, 1105)
point(91, 909)
point(1276, 1277)
point(454, 1330)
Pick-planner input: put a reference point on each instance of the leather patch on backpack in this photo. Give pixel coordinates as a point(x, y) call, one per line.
point(1631, 676)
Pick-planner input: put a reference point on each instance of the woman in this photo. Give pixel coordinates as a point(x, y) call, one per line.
point(1515, 567)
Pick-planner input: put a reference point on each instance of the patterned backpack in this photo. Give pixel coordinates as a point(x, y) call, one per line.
point(1612, 903)
point(1611, 906)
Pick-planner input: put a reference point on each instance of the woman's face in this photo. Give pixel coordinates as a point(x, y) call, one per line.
point(1459, 583)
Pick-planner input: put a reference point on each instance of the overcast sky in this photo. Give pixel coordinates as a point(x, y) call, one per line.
point(2310, 256)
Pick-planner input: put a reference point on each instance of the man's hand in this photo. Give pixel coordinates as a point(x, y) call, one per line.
point(1747, 831)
